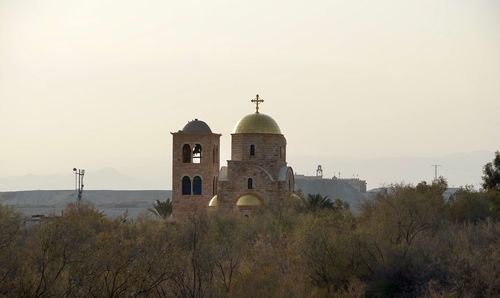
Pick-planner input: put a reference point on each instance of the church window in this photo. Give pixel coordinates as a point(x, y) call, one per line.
point(186, 153)
point(252, 150)
point(197, 185)
point(215, 186)
point(186, 185)
point(250, 183)
point(197, 153)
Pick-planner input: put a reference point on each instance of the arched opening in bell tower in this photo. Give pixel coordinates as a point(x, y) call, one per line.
point(186, 153)
point(197, 153)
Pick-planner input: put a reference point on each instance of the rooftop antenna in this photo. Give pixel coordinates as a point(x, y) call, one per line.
point(436, 171)
point(319, 171)
point(79, 173)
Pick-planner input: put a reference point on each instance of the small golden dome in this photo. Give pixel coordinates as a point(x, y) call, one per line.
point(295, 196)
point(213, 202)
point(257, 123)
point(248, 200)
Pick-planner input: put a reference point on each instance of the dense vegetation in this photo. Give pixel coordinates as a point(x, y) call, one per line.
point(491, 177)
point(407, 241)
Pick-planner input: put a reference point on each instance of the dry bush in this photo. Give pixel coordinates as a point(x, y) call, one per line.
point(406, 242)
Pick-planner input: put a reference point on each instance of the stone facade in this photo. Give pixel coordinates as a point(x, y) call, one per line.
point(264, 167)
point(256, 177)
point(207, 170)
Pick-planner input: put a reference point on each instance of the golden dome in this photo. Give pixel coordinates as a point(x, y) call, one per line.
point(295, 196)
point(257, 123)
point(248, 200)
point(213, 202)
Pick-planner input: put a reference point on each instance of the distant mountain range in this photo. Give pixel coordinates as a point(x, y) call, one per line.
point(459, 168)
point(106, 178)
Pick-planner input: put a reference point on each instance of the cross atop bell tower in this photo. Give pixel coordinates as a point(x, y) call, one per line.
point(257, 100)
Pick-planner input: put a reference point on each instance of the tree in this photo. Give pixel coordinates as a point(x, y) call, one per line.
point(56, 253)
point(328, 254)
point(229, 238)
point(317, 202)
point(194, 264)
point(393, 226)
point(10, 226)
point(162, 209)
point(491, 178)
point(339, 205)
point(10, 223)
point(467, 205)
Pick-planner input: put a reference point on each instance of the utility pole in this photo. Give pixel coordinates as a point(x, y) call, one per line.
point(79, 173)
point(436, 171)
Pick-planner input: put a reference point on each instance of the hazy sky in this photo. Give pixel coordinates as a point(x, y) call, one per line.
point(98, 83)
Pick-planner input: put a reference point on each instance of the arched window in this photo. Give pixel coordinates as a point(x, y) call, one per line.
point(186, 153)
point(250, 183)
point(215, 155)
point(186, 185)
point(197, 185)
point(252, 150)
point(197, 153)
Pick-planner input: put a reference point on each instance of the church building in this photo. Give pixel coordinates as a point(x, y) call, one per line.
point(256, 177)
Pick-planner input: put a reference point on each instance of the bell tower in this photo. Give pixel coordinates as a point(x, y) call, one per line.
point(195, 168)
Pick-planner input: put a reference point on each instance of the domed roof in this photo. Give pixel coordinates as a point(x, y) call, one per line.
point(248, 200)
point(213, 202)
point(257, 123)
point(295, 196)
point(196, 126)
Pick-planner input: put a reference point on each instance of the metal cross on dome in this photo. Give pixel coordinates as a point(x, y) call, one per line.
point(257, 100)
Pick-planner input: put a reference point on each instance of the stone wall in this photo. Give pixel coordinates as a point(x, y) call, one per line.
point(267, 147)
point(265, 186)
point(264, 169)
point(208, 170)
